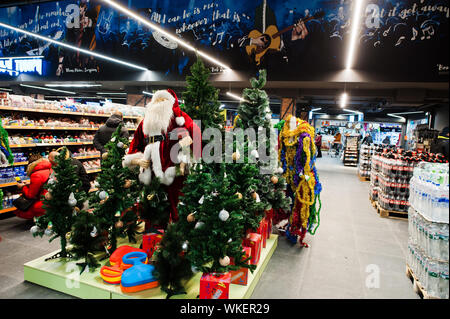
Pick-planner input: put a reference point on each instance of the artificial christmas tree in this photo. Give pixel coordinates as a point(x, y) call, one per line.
point(153, 206)
point(171, 265)
point(64, 197)
point(254, 113)
point(117, 193)
point(86, 240)
point(201, 99)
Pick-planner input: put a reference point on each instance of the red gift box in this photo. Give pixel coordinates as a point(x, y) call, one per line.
point(254, 242)
point(240, 276)
point(150, 242)
point(269, 219)
point(262, 230)
point(269, 227)
point(215, 286)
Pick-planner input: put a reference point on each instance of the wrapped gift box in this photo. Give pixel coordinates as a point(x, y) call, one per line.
point(215, 286)
point(240, 276)
point(269, 219)
point(262, 230)
point(150, 242)
point(254, 242)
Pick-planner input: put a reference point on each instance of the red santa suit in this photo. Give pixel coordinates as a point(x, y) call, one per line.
point(156, 139)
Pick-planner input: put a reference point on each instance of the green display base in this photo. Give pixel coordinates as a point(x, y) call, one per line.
point(64, 276)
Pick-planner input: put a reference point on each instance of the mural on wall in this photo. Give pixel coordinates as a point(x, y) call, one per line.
point(293, 39)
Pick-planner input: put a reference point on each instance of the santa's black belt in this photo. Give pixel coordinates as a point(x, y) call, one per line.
point(154, 139)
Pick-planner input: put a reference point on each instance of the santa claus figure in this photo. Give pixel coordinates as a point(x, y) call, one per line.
point(160, 143)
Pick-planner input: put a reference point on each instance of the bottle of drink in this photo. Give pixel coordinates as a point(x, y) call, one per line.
point(444, 281)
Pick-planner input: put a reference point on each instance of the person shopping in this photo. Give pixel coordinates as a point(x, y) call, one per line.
point(80, 171)
point(39, 171)
point(104, 133)
point(318, 142)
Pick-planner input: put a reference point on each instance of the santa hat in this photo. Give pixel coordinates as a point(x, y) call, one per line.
point(172, 97)
point(176, 109)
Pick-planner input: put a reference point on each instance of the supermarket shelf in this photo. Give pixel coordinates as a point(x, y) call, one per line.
point(92, 171)
point(86, 157)
point(18, 164)
point(51, 128)
point(48, 144)
point(7, 210)
point(6, 108)
point(26, 182)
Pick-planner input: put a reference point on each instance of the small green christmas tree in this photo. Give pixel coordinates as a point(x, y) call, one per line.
point(113, 202)
point(86, 240)
point(201, 99)
point(154, 205)
point(171, 266)
point(64, 197)
point(215, 228)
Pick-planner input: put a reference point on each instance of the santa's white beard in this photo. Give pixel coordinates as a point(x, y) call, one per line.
point(157, 117)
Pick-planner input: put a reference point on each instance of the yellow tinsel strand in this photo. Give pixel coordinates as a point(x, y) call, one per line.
point(290, 139)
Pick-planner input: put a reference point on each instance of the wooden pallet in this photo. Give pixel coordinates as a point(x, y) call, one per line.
point(373, 202)
point(417, 286)
point(391, 213)
point(364, 178)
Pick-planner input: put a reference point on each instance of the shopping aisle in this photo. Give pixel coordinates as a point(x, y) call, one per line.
point(352, 245)
point(350, 239)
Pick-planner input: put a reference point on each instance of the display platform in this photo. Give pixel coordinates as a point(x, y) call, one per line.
point(64, 276)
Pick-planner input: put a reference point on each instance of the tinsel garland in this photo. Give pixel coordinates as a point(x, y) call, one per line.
point(297, 158)
point(4, 144)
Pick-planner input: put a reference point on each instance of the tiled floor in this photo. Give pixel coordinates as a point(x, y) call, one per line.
point(354, 254)
point(352, 247)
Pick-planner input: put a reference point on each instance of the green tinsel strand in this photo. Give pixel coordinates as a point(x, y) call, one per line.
point(4, 142)
point(315, 214)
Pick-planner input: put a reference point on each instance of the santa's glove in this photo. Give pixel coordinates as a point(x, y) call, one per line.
point(131, 160)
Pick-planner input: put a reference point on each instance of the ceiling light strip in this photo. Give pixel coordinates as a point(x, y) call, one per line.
point(100, 56)
point(72, 85)
point(344, 98)
point(111, 93)
point(165, 33)
point(47, 89)
point(237, 97)
point(354, 33)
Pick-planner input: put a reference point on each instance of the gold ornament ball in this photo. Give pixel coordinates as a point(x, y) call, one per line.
point(235, 156)
point(150, 196)
point(127, 184)
point(255, 195)
point(104, 156)
point(239, 195)
point(119, 224)
point(68, 235)
point(191, 218)
point(48, 196)
point(274, 179)
point(225, 261)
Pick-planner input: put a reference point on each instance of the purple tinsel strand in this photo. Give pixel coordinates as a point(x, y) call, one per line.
point(298, 158)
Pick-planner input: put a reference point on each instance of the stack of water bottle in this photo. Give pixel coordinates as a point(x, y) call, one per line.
point(428, 247)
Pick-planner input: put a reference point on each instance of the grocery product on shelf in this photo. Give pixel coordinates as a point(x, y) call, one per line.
point(351, 151)
point(67, 106)
point(391, 171)
point(428, 248)
point(365, 156)
point(430, 191)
